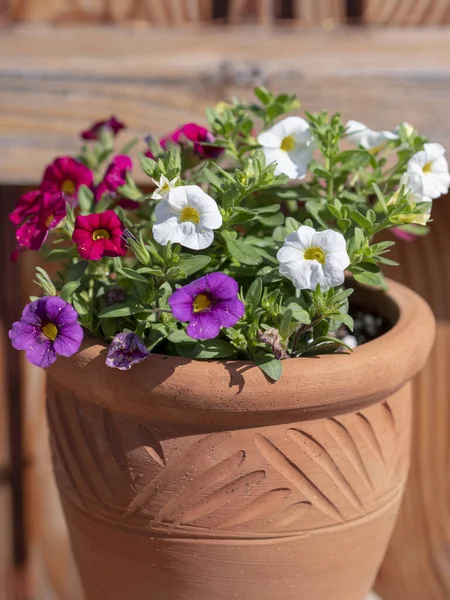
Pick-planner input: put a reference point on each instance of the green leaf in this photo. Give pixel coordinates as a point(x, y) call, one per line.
point(285, 324)
point(263, 95)
point(369, 278)
point(346, 319)
point(69, 289)
point(361, 220)
point(109, 327)
point(132, 274)
point(291, 225)
point(344, 224)
point(149, 166)
point(206, 350)
point(244, 253)
point(85, 199)
point(192, 264)
point(381, 198)
point(269, 365)
point(299, 314)
point(76, 271)
point(360, 238)
point(254, 293)
point(180, 336)
point(118, 310)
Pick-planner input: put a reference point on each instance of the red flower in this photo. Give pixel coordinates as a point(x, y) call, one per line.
point(115, 176)
point(27, 205)
point(46, 212)
point(66, 175)
point(191, 132)
point(99, 235)
point(94, 131)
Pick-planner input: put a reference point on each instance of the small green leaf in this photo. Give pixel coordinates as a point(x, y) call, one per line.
point(192, 264)
point(361, 220)
point(118, 310)
point(291, 224)
point(68, 290)
point(132, 274)
point(180, 337)
point(76, 271)
point(269, 365)
point(285, 324)
point(244, 253)
point(206, 350)
point(299, 314)
point(375, 279)
point(263, 95)
point(254, 293)
point(85, 199)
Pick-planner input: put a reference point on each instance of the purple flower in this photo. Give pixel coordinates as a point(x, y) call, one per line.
point(126, 350)
point(48, 327)
point(208, 303)
point(93, 133)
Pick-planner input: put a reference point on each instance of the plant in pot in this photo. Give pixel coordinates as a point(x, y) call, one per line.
point(230, 407)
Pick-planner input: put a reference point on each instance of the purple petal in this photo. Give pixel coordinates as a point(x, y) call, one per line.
point(203, 326)
point(228, 312)
point(35, 312)
point(42, 354)
point(222, 286)
point(181, 303)
point(23, 335)
point(126, 350)
point(68, 340)
point(60, 312)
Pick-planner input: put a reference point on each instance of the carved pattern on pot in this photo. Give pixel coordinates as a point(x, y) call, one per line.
point(246, 483)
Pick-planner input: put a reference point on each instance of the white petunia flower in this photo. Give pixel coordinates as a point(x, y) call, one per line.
point(309, 257)
point(289, 144)
point(360, 135)
point(187, 216)
point(163, 187)
point(431, 167)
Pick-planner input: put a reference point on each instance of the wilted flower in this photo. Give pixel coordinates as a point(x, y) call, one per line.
point(208, 304)
point(66, 175)
point(48, 327)
point(431, 168)
point(93, 133)
point(187, 216)
point(163, 187)
point(36, 214)
point(272, 338)
point(311, 257)
point(114, 295)
point(99, 235)
point(289, 144)
point(115, 176)
point(360, 135)
point(126, 350)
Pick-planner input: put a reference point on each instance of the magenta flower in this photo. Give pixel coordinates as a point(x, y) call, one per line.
point(115, 176)
point(191, 132)
point(48, 327)
point(403, 235)
point(208, 303)
point(66, 175)
point(94, 130)
point(36, 215)
point(126, 350)
point(99, 235)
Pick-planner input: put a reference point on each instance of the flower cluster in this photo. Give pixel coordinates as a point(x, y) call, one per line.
point(245, 246)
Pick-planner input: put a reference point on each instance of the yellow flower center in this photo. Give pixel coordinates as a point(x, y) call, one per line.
point(315, 253)
point(427, 168)
point(201, 303)
point(49, 220)
point(189, 214)
point(288, 143)
point(50, 331)
point(68, 187)
point(100, 234)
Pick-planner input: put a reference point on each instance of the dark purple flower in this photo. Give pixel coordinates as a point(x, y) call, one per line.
point(114, 295)
point(208, 303)
point(126, 350)
point(48, 327)
point(94, 130)
point(195, 134)
point(115, 176)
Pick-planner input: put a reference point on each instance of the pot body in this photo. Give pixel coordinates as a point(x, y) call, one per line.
point(190, 481)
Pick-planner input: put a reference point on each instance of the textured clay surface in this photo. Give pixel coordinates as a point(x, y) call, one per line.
point(165, 498)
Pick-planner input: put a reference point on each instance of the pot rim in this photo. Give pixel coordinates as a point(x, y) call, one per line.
point(221, 393)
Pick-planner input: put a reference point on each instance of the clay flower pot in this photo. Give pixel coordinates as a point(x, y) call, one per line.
point(185, 480)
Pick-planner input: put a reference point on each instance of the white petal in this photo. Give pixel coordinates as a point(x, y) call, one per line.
point(187, 234)
point(293, 126)
point(338, 260)
point(302, 238)
point(211, 220)
point(177, 197)
point(285, 166)
point(199, 200)
point(164, 211)
point(433, 151)
point(164, 231)
point(418, 159)
point(329, 241)
point(289, 254)
point(300, 273)
point(434, 185)
point(269, 139)
point(301, 157)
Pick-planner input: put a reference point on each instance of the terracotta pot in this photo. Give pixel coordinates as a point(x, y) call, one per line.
point(185, 480)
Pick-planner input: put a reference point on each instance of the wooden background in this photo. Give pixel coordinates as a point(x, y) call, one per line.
point(157, 64)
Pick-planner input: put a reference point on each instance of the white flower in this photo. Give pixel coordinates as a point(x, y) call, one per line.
point(431, 167)
point(360, 135)
point(289, 144)
point(163, 187)
point(309, 257)
point(412, 186)
point(187, 216)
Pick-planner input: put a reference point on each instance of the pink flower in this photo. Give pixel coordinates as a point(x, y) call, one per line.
point(66, 175)
point(27, 205)
point(99, 235)
point(403, 235)
point(191, 132)
point(47, 211)
point(115, 176)
point(94, 130)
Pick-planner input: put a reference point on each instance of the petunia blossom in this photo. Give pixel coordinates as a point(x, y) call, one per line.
point(45, 212)
point(163, 186)
point(48, 327)
point(191, 134)
point(93, 133)
point(430, 167)
point(115, 176)
point(309, 257)
point(98, 235)
point(361, 135)
point(126, 350)
point(208, 304)
point(289, 144)
point(187, 216)
point(66, 175)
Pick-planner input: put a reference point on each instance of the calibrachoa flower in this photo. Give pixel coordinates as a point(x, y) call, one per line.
point(196, 134)
point(99, 235)
point(66, 175)
point(431, 167)
point(45, 212)
point(94, 130)
point(48, 327)
point(208, 304)
point(126, 350)
point(163, 187)
point(311, 257)
point(360, 135)
point(289, 144)
point(115, 176)
point(187, 216)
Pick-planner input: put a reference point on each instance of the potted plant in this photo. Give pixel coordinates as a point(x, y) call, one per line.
point(230, 410)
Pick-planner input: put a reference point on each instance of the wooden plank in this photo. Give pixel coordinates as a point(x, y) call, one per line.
point(405, 12)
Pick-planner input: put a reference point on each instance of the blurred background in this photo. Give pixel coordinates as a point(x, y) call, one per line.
point(157, 64)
